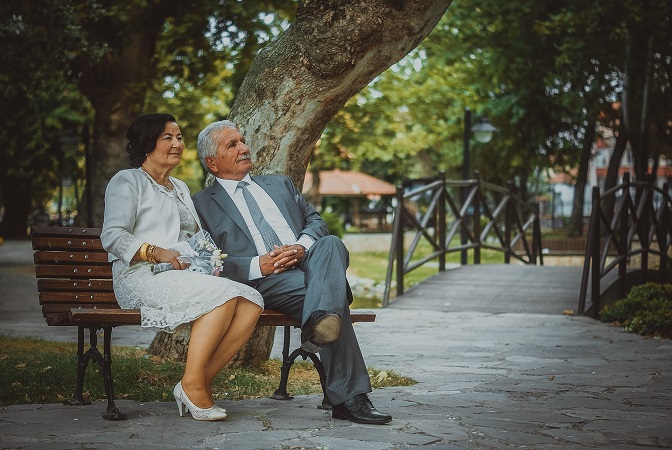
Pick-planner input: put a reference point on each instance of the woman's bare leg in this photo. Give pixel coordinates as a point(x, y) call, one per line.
point(207, 333)
point(241, 328)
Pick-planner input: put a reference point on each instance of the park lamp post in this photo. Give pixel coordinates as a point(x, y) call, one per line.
point(483, 132)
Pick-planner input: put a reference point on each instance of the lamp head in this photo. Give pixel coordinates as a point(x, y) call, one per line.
point(483, 130)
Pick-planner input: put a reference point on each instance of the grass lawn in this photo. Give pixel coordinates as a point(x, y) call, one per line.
point(37, 371)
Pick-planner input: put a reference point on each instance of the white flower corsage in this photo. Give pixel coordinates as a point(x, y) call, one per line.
point(200, 252)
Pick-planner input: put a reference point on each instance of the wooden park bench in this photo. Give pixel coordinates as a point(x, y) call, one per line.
point(75, 289)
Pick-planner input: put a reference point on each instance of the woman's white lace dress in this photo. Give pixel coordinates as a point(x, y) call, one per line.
point(174, 297)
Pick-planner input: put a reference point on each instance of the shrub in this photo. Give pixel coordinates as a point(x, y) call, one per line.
point(647, 310)
point(334, 223)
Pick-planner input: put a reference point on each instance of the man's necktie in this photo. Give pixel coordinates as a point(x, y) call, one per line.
point(267, 233)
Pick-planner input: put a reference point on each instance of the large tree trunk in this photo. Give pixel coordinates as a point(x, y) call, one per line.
point(636, 101)
point(576, 219)
point(615, 160)
point(17, 193)
point(174, 346)
point(116, 87)
point(313, 195)
point(612, 171)
point(332, 50)
point(298, 82)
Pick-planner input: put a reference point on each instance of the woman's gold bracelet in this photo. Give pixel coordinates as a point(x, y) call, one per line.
point(150, 254)
point(143, 251)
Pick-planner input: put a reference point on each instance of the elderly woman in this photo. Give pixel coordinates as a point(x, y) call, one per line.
point(148, 214)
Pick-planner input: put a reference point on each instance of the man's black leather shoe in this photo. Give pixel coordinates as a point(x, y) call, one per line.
point(322, 327)
point(359, 409)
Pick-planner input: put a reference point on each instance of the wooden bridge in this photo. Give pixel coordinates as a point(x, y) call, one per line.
point(629, 243)
point(497, 288)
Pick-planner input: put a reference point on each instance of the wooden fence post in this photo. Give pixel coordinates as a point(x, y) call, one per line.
point(508, 214)
point(476, 222)
point(662, 233)
point(441, 222)
point(595, 250)
point(399, 242)
point(624, 224)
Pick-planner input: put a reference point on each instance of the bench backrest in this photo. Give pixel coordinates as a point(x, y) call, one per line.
point(74, 281)
point(72, 270)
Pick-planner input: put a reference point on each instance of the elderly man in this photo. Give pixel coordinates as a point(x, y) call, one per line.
point(280, 245)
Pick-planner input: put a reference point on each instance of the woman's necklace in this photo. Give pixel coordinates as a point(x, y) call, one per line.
point(167, 184)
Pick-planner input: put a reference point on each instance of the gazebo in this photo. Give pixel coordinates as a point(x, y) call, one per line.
point(357, 189)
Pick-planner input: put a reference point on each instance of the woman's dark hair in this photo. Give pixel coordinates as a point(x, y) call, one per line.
point(142, 135)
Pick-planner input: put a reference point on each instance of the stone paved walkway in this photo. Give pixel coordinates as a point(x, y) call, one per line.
point(485, 381)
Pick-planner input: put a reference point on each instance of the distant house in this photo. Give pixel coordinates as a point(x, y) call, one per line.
point(362, 200)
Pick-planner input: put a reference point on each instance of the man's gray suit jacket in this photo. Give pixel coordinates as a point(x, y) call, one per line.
point(220, 217)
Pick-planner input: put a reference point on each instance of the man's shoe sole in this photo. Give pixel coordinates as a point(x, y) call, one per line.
point(327, 330)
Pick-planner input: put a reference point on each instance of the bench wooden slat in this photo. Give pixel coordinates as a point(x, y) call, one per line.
point(97, 316)
point(67, 243)
point(46, 284)
point(39, 231)
point(49, 311)
point(77, 297)
point(72, 257)
point(73, 271)
point(79, 316)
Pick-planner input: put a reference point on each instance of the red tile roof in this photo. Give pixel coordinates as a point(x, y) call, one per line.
point(349, 183)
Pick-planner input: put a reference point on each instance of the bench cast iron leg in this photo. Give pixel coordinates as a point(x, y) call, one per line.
point(105, 363)
point(78, 398)
point(288, 361)
point(281, 392)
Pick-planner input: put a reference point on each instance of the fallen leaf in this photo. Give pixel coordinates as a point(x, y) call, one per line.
point(382, 376)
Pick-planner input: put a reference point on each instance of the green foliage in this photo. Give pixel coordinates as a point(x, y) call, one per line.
point(647, 310)
point(37, 371)
point(542, 72)
point(40, 104)
point(334, 223)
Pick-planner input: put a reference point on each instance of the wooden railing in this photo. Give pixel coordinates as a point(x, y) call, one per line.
point(482, 215)
point(628, 224)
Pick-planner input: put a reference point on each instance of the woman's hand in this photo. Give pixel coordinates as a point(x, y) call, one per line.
point(164, 255)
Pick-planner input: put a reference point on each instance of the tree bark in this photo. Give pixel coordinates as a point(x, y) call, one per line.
point(612, 171)
point(332, 50)
point(615, 160)
point(576, 219)
point(17, 193)
point(173, 346)
point(636, 101)
point(313, 195)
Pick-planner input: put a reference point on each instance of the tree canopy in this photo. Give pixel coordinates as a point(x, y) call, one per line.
point(308, 80)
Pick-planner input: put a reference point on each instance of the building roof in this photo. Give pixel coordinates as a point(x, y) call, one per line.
point(349, 183)
point(563, 178)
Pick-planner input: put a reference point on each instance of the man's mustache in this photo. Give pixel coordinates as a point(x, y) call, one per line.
point(244, 157)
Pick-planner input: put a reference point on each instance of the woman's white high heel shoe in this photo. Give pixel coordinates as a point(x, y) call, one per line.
point(184, 405)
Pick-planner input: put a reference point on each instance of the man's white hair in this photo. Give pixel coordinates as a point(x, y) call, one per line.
point(207, 144)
